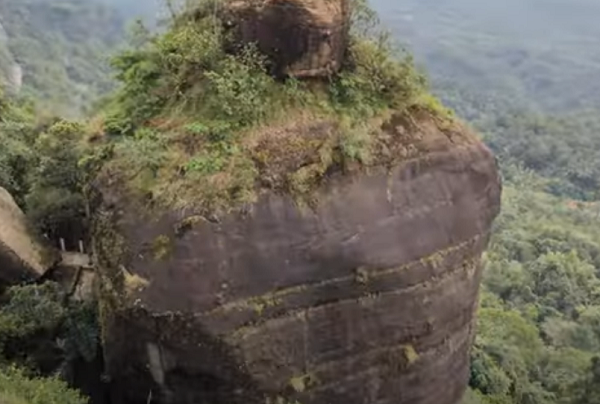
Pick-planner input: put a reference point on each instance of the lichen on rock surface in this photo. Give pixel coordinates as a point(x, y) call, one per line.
point(318, 241)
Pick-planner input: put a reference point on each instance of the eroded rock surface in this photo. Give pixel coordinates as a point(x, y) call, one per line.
point(302, 38)
point(367, 297)
point(22, 257)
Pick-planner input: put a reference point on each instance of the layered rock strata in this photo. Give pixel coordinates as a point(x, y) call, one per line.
point(367, 296)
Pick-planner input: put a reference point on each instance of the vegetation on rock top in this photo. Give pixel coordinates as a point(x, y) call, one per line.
point(183, 126)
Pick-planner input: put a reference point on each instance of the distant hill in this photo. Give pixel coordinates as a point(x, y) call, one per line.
point(538, 54)
point(10, 71)
point(148, 10)
point(58, 49)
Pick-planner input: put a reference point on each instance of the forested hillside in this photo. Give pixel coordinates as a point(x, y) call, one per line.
point(539, 326)
point(61, 49)
point(485, 55)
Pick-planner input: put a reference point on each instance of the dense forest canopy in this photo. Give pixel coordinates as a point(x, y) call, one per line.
point(526, 73)
point(57, 52)
point(539, 329)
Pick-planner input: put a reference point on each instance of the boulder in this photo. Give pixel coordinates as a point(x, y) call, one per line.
point(302, 38)
point(22, 256)
point(366, 295)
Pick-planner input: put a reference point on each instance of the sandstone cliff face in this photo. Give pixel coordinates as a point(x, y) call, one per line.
point(22, 258)
point(302, 38)
point(369, 296)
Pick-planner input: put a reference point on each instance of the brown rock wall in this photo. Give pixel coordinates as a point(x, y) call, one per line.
point(302, 38)
point(368, 297)
point(22, 257)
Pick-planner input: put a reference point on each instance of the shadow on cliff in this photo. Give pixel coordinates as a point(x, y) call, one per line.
point(185, 364)
point(284, 31)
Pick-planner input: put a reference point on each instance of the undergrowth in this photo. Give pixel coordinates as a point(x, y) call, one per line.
point(17, 388)
point(185, 123)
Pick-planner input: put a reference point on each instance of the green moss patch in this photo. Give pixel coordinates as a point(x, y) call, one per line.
point(410, 354)
point(161, 247)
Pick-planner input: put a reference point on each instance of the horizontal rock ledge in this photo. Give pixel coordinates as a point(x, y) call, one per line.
point(298, 302)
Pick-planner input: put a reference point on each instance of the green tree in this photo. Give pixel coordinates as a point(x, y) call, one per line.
point(40, 328)
point(587, 390)
point(55, 201)
point(564, 282)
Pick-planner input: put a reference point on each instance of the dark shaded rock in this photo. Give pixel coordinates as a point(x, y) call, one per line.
point(22, 257)
point(367, 297)
point(302, 38)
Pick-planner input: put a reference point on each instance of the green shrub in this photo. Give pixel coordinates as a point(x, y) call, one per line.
point(357, 141)
point(17, 388)
point(375, 79)
point(241, 89)
point(38, 315)
point(55, 203)
point(199, 101)
point(15, 161)
point(28, 309)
